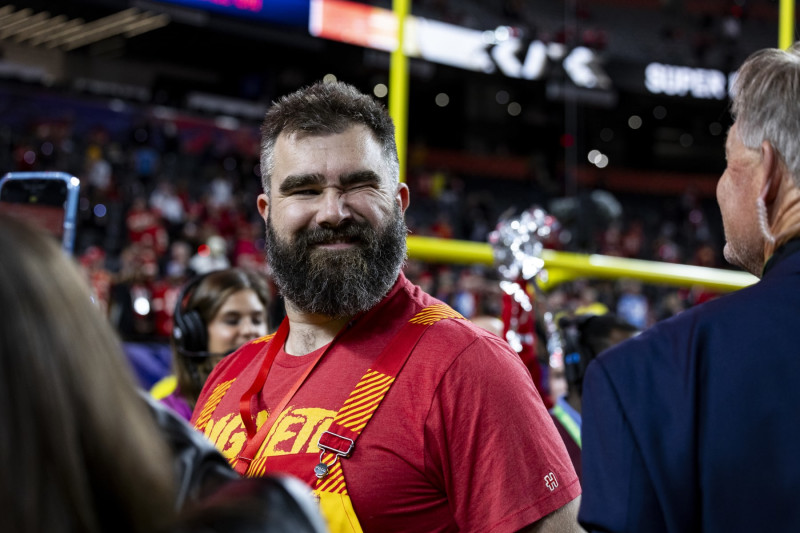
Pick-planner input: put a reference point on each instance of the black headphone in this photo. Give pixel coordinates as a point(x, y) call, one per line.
point(584, 337)
point(577, 354)
point(189, 330)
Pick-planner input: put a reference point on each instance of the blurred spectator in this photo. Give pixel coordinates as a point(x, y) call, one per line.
point(165, 201)
point(220, 192)
point(164, 295)
point(92, 260)
point(213, 255)
point(98, 170)
point(588, 302)
point(177, 264)
point(466, 297)
point(247, 253)
point(584, 337)
point(145, 226)
point(131, 295)
point(633, 239)
point(632, 305)
point(214, 314)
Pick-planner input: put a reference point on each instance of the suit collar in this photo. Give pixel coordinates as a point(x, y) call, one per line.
point(780, 255)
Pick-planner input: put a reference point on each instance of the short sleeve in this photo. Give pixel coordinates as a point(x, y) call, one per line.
point(488, 435)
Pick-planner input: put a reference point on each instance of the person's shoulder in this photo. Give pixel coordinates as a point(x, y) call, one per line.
point(232, 365)
point(415, 293)
point(451, 331)
point(422, 301)
point(711, 314)
point(450, 322)
point(460, 346)
point(666, 352)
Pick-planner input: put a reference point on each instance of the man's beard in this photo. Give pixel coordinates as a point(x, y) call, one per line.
point(338, 283)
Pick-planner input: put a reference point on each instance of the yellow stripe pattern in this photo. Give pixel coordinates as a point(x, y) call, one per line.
point(357, 410)
point(258, 468)
point(265, 338)
point(365, 398)
point(435, 313)
point(212, 403)
point(354, 415)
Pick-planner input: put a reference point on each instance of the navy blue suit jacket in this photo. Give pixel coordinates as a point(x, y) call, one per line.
point(694, 425)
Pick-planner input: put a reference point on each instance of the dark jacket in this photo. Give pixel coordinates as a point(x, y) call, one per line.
point(212, 498)
point(692, 425)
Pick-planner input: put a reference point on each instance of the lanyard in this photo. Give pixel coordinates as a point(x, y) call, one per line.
point(257, 438)
point(339, 440)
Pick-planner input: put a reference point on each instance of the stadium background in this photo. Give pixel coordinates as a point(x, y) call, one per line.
point(149, 101)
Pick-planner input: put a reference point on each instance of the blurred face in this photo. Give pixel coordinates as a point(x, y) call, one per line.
point(737, 193)
point(335, 228)
point(241, 318)
point(557, 382)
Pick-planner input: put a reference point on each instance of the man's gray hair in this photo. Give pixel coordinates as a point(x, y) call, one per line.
point(322, 109)
point(766, 103)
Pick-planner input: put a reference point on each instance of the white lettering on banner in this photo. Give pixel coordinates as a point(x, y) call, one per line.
point(584, 70)
point(682, 81)
point(505, 57)
point(460, 47)
point(448, 44)
point(581, 64)
point(535, 61)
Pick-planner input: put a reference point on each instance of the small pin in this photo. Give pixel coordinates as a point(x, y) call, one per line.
point(321, 470)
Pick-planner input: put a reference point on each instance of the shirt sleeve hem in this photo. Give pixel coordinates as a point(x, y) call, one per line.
point(538, 510)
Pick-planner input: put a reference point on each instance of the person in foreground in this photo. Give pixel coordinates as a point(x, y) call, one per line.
point(400, 414)
point(690, 425)
point(80, 451)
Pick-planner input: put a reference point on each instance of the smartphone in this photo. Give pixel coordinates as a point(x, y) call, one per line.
point(46, 199)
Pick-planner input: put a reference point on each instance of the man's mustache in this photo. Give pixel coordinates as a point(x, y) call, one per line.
point(350, 232)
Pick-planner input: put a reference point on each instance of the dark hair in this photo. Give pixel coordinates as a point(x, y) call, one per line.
point(585, 336)
point(321, 109)
point(78, 449)
point(207, 298)
point(597, 329)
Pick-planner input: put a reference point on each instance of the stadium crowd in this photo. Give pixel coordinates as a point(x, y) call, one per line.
point(166, 194)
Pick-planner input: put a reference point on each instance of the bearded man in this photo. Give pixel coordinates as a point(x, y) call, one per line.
point(397, 412)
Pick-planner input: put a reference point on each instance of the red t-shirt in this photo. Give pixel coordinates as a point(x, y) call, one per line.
point(461, 441)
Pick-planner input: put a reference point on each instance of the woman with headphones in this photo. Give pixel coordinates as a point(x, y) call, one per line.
point(214, 315)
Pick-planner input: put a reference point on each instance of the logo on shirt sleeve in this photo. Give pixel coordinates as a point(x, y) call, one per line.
point(550, 481)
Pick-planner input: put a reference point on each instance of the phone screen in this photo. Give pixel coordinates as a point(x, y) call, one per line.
point(46, 199)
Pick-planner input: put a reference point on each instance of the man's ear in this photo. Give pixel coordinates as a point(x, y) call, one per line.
point(771, 170)
point(403, 196)
point(263, 205)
